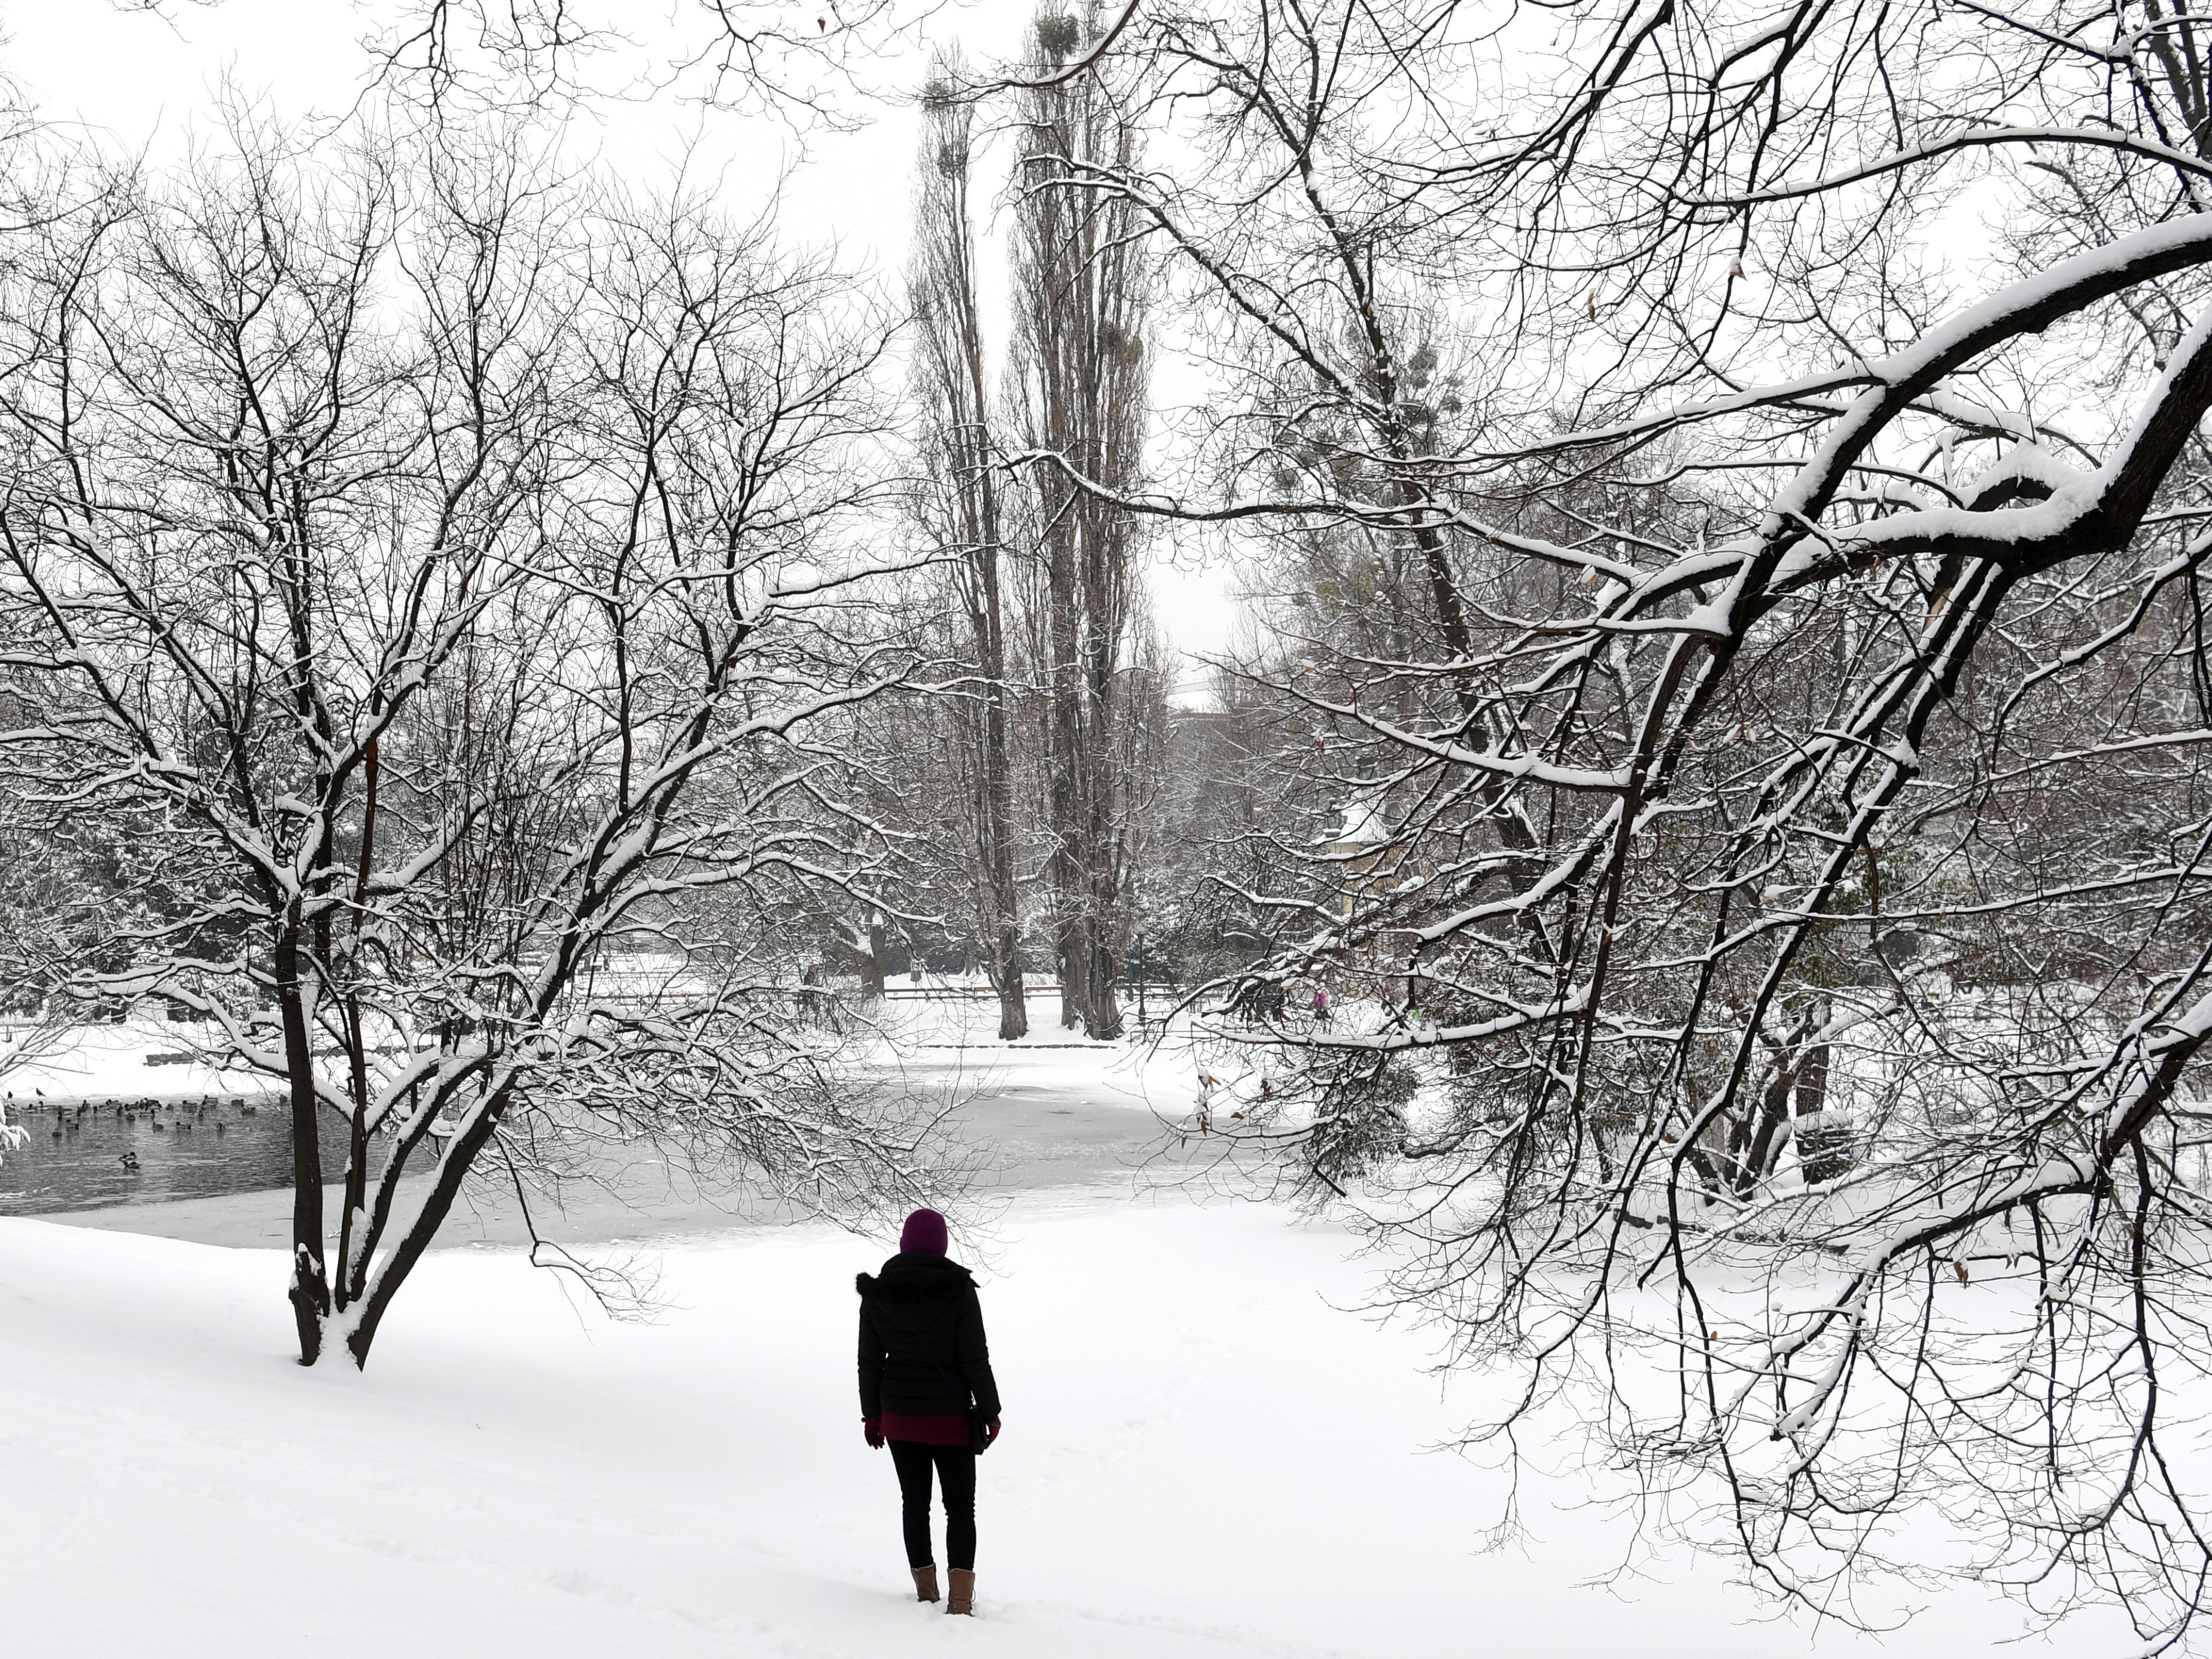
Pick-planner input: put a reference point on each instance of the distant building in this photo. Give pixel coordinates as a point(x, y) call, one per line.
point(1362, 841)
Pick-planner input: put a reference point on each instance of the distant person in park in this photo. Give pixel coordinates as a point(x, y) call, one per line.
point(1321, 1005)
point(926, 1390)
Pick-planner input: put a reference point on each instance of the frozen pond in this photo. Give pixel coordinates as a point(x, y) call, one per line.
point(79, 1153)
point(233, 1187)
point(1053, 1113)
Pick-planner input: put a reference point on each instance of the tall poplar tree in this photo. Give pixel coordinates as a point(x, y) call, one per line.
point(1081, 370)
point(961, 514)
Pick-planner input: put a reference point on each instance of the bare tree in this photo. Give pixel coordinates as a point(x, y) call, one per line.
point(442, 567)
point(1080, 369)
point(961, 516)
point(1774, 951)
point(458, 59)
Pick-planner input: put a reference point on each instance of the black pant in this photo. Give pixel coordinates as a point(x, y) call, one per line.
point(956, 1473)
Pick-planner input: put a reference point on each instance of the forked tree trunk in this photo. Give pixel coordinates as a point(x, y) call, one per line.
point(438, 1203)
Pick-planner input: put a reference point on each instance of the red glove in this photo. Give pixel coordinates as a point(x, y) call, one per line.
point(991, 1433)
point(874, 1430)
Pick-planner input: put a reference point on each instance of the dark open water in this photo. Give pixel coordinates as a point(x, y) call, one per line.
point(74, 1158)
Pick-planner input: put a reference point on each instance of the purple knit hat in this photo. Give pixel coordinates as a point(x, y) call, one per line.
point(924, 1233)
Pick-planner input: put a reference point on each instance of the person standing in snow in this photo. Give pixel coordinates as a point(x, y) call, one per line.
point(927, 1391)
point(1321, 1005)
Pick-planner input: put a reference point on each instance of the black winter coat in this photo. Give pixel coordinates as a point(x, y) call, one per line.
point(922, 1348)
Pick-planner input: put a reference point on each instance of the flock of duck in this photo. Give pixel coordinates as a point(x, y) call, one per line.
point(161, 1116)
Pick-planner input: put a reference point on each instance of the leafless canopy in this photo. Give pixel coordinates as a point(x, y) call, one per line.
point(439, 580)
point(1765, 868)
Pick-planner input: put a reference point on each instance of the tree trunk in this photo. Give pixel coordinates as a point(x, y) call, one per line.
point(1080, 303)
point(1064, 756)
point(310, 1290)
point(437, 1203)
point(1074, 970)
point(1103, 1021)
point(1102, 1015)
point(1006, 976)
point(1825, 1148)
point(870, 953)
point(957, 403)
point(1002, 905)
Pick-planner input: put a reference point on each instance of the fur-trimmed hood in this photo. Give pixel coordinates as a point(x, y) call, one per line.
point(913, 1277)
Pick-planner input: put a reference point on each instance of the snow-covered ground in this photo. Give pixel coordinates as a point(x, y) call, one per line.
point(1206, 1453)
point(1203, 1457)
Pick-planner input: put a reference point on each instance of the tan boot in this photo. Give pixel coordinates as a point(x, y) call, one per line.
point(962, 1598)
point(924, 1583)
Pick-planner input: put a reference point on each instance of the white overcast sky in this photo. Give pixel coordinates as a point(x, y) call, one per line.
point(146, 80)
